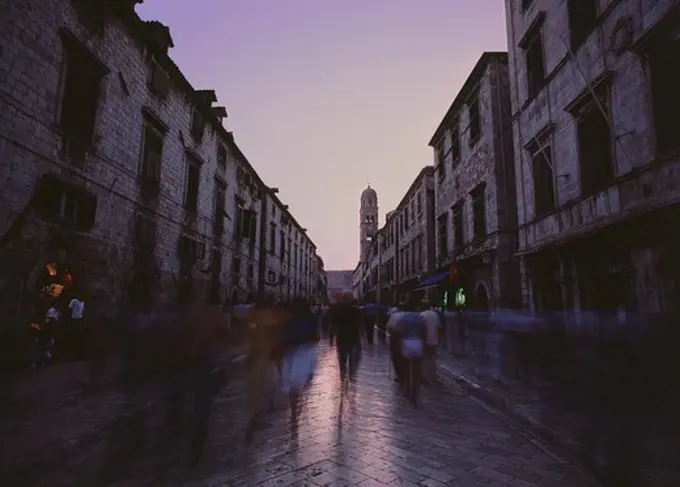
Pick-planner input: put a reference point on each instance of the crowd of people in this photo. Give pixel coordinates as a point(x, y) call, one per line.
point(286, 336)
point(179, 349)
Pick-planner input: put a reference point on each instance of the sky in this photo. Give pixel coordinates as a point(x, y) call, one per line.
point(327, 96)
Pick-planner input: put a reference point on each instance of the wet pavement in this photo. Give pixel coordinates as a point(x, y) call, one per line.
point(375, 437)
point(371, 436)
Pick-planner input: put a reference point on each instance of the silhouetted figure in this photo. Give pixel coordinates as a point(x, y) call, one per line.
point(345, 331)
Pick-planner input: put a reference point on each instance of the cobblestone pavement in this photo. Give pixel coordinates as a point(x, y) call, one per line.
point(372, 437)
point(375, 437)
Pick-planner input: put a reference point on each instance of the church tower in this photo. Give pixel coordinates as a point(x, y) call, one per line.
point(368, 221)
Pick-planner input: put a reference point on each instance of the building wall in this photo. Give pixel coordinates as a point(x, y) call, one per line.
point(32, 70)
point(488, 162)
point(384, 264)
point(642, 180)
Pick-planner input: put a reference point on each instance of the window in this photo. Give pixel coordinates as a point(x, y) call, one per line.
point(406, 220)
point(535, 64)
point(159, 81)
point(236, 266)
point(479, 210)
point(197, 125)
point(272, 238)
point(190, 250)
point(443, 236)
point(221, 155)
point(246, 223)
point(419, 252)
point(152, 154)
point(82, 81)
point(251, 271)
point(192, 184)
point(295, 256)
point(582, 21)
point(526, 4)
point(457, 223)
point(216, 267)
point(595, 144)
point(145, 233)
point(455, 143)
point(439, 162)
point(419, 203)
point(664, 63)
point(475, 122)
point(282, 244)
point(220, 201)
point(66, 203)
point(544, 177)
point(414, 261)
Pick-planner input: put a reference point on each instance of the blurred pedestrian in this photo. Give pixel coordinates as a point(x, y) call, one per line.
point(369, 316)
point(299, 335)
point(394, 330)
point(208, 371)
point(264, 348)
point(345, 330)
point(433, 324)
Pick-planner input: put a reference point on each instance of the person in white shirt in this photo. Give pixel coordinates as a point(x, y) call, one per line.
point(77, 308)
point(432, 323)
point(392, 327)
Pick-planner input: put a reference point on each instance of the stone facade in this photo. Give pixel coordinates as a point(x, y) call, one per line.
point(595, 145)
point(291, 269)
point(474, 187)
point(403, 251)
point(114, 166)
point(368, 221)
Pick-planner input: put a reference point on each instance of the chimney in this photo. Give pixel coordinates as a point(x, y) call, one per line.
point(205, 97)
point(159, 36)
point(220, 113)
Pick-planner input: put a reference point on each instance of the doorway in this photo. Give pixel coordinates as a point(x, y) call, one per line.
point(481, 301)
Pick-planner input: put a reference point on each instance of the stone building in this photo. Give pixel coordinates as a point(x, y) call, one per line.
point(290, 269)
point(368, 220)
point(339, 283)
point(114, 168)
point(401, 253)
point(594, 99)
point(474, 188)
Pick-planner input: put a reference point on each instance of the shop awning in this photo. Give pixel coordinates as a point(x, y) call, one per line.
point(432, 280)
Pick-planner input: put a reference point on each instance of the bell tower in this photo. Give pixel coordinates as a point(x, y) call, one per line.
point(368, 221)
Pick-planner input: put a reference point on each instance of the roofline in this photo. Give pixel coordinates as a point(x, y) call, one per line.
point(135, 22)
point(290, 216)
point(475, 76)
point(425, 171)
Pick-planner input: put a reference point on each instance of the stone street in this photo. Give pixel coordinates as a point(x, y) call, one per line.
point(372, 437)
point(375, 437)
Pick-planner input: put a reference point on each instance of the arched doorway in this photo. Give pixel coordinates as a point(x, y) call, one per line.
point(234, 297)
point(249, 298)
point(481, 301)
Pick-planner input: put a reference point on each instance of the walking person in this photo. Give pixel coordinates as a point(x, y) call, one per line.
point(300, 335)
point(345, 331)
point(394, 330)
point(370, 312)
point(433, 325)
point(413, 334)
point(208, 373)
point(264, 348)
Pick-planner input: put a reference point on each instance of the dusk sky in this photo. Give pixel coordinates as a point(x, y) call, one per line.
point(326, 96)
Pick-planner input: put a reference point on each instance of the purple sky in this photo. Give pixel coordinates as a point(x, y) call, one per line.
point(326, 96)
